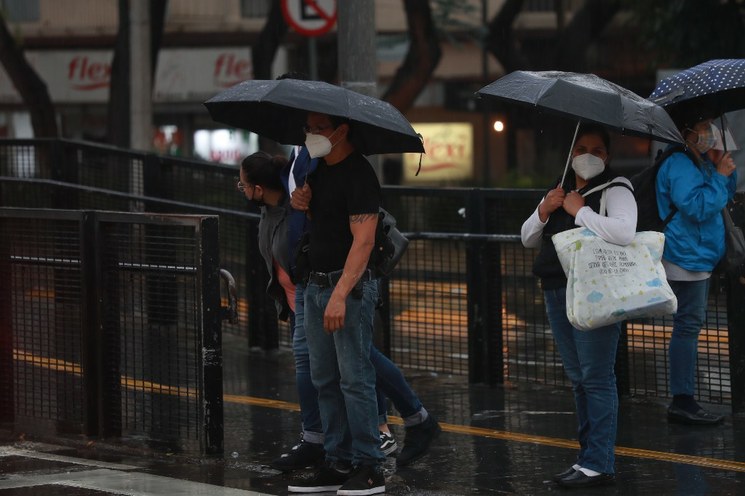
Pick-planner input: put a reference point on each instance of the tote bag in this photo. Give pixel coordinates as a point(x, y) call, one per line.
point(608, 283)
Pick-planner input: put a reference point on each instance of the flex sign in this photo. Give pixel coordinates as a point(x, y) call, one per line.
point(83, 76)
point(194, 75)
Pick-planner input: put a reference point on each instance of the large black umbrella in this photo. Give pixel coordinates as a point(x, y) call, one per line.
point(277, 109)
point(717, 85)
point(586, 98)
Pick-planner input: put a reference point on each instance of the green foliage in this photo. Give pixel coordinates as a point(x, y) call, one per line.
point(683, 33)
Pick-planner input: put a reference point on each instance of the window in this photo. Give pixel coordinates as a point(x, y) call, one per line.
point(20, 10)
point(255, 9)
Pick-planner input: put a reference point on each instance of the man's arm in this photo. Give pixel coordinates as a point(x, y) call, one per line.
point(363, 232)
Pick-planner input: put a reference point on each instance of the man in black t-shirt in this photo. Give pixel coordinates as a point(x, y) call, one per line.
point(339, 308)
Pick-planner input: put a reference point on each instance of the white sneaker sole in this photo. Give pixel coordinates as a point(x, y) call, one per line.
point(360, 492)
point(313, 489)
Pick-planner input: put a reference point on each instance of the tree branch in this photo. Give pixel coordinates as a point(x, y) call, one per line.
point(500, 41)
point(30, 86)
point(421, 60)
point(264, 50)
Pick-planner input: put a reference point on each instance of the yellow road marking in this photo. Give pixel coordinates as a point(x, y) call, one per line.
point(128, 382)
point(151, 387)
point(522, 438)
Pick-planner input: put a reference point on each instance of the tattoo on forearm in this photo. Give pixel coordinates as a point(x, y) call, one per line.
point(360, 218)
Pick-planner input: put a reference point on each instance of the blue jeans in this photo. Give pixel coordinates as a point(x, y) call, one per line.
point(344, 375)
point(589, 358)
point(390, 382)
point(687, 323)
point(307, 394)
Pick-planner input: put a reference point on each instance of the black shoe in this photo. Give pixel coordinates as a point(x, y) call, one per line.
point(388, 444)
point(566, 473)
point(579, 479)
point(301, 455)
point(366, 479)
point(330, 477)
point(701, 417)
point(417, 441)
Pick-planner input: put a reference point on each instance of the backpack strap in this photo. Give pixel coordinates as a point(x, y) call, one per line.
point(663, 155)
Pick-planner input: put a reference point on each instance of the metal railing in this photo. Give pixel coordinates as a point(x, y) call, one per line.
point(111, 326)
point(462, 301)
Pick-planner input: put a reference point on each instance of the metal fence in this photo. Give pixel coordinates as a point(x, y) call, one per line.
point(111, 326)
point(463, 300)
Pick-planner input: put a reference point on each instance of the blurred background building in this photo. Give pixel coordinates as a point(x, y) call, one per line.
point(208, 46)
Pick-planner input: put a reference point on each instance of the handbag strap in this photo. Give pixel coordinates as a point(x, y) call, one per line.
point(604, 187)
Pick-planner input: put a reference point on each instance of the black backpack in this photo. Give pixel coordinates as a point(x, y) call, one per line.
point(645, 193)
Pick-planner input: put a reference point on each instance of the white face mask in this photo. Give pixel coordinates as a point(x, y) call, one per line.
point(587, 165)
point(318, 145)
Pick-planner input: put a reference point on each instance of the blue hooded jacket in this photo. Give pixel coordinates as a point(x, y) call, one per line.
point(694, 237)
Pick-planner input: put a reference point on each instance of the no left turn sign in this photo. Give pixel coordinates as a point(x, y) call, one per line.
point(310, 17)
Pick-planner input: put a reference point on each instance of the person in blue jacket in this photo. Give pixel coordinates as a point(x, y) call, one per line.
point(697, 190)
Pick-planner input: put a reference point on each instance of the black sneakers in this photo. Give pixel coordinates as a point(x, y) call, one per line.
point(366, 479)
point(388, 444)
point(329, 478)
point(678, 415)
point(417, 441)
point(301, 455)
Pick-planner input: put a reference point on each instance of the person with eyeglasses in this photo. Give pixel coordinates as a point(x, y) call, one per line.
point(264, 181)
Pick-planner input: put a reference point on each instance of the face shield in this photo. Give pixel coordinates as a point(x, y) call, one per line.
point(723, 140)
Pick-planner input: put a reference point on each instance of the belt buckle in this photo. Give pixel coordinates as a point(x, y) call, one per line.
point(321, 279)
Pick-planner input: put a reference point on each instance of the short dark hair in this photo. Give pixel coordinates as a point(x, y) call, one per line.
point(294, 75)
point(597, 130)
point(262, 169)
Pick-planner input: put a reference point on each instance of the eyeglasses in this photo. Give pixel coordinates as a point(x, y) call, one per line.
point(315, 130)
point(241, 187)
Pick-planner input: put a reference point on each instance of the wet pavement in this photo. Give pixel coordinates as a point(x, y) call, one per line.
point(502, 440)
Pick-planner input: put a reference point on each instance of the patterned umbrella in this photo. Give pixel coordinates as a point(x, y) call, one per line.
point(718, 85)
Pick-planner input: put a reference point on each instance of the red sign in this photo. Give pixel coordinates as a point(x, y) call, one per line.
point(231, 69)
point(310, 17)
point(85, 74)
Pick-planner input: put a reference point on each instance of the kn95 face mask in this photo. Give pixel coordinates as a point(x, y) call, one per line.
point(587, 166)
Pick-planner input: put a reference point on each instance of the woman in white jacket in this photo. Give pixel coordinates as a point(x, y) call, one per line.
point(588, 356)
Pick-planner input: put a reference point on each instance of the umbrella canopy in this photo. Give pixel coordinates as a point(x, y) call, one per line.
point(586, 98)
point(718, 85)
point(277, 109)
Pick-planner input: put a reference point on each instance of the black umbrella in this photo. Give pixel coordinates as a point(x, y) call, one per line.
point(277, 109)
point(586, 98)
point(717, 85)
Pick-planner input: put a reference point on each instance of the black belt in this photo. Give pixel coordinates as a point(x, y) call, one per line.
point(329, 279)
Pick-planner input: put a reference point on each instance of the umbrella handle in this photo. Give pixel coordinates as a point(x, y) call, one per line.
point(724, 136)
point(569, 158)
